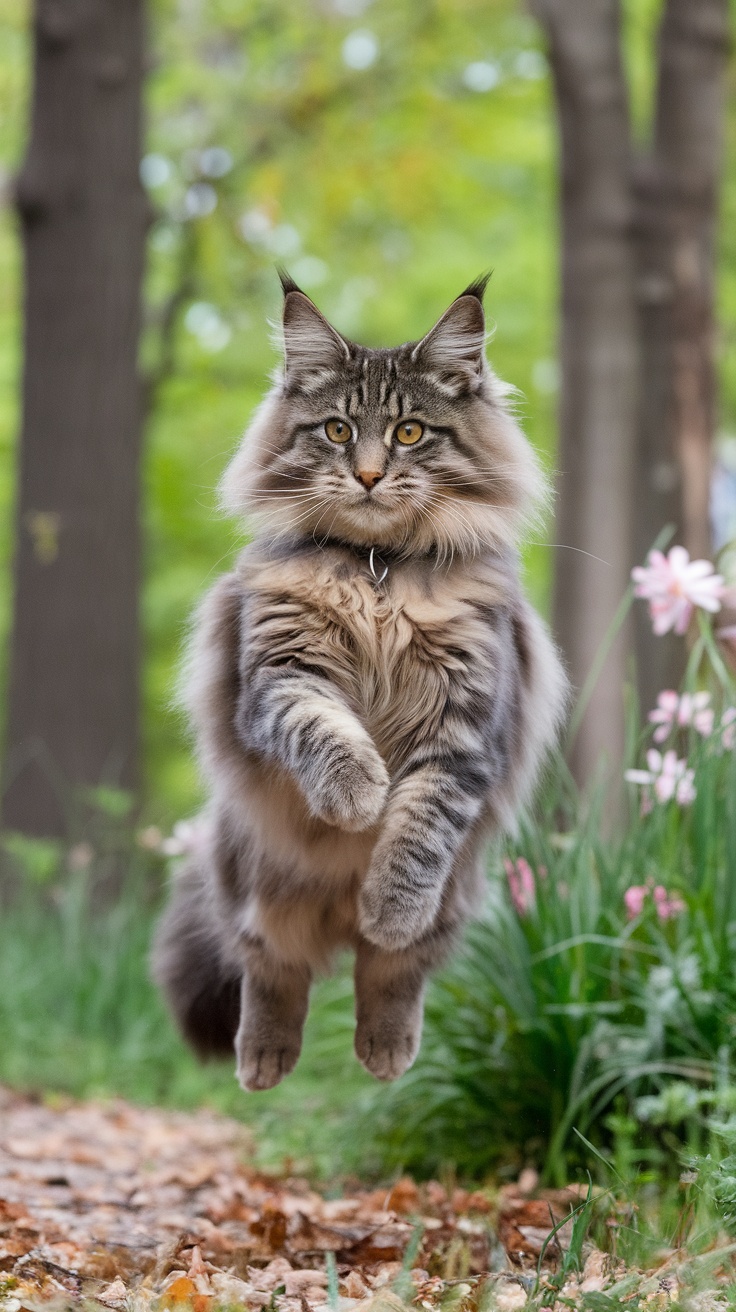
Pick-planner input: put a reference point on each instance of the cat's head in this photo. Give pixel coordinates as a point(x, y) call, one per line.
point(411, 448)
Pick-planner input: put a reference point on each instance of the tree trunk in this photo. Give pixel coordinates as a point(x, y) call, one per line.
point(676, 188)
point(599, 359)
point(73, 696)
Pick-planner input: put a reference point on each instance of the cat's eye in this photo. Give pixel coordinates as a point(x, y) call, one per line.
point(338, 431)
point(408, 432)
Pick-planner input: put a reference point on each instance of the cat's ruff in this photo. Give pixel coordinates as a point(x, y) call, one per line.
point(371, 693)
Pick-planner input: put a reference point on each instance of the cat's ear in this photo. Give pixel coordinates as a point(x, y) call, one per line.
point(454, 350)
point(311, 344)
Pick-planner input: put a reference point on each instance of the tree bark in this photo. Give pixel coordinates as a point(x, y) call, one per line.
point(676, 190)
point(598, 357)
point(73, 694)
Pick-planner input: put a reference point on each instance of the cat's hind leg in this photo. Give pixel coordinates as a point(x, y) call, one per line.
point(273, 1007)
point(389, 1006)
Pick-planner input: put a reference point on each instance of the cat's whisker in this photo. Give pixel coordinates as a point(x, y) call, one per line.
point(565, 546)
point(295, 520)
point(278, 497)
point(452, 506)
point(308, 502)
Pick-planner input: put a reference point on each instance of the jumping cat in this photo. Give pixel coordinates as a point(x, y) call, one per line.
point(371, 693)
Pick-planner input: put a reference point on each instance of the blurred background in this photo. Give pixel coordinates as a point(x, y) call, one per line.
point(385, 154)
point(158, 161)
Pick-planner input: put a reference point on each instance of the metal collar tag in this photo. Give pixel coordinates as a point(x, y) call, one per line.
point(382, 566)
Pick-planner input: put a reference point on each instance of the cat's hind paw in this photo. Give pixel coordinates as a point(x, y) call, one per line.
point(387, 1051)
point(262, 1066)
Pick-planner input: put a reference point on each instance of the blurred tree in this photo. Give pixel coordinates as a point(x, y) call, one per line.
point(598, 357)
point(637, 405)
point(676, 184)
point(73, 692)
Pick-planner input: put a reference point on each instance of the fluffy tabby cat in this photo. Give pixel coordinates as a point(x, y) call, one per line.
point(371, 693)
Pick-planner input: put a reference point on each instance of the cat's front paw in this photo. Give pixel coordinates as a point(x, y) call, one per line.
point(351, 793)
point(394, 912)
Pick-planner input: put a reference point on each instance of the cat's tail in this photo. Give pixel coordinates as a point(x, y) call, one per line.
point(188, 964)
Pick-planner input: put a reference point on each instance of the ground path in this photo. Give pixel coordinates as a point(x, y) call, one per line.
point(112, 1206)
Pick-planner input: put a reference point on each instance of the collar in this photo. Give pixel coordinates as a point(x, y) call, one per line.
point(378, 561)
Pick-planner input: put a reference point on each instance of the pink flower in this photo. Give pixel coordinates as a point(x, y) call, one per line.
point(673, 585)
point(689, 709)
point(667, 776)
point(521, 884)
point(634, 898)
point(667, 905)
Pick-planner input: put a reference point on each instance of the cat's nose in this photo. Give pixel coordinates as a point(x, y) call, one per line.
point(368, 476)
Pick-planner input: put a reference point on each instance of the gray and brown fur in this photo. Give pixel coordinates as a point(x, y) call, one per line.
point(361, 740)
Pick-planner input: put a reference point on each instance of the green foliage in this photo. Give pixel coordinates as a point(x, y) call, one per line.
point(113, 802)
point(37, 858)
point(579, 1221)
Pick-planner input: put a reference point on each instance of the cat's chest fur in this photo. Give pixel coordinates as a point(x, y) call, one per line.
point(391, 647)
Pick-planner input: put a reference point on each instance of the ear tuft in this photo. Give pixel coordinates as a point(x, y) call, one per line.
point(477, 288)
point(311, 344)
point(454, 350)
point(287, 282)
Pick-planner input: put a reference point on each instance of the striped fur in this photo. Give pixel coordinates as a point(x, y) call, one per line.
point(361, 740)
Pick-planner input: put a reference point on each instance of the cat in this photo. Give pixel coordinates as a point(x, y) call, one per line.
point(372, 696)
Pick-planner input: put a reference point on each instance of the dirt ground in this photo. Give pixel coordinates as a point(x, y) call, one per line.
point(114, 1206)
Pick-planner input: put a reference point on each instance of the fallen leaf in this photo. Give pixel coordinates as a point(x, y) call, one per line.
point(114, 1293)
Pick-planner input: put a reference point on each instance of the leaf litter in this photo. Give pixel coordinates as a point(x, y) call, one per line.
point(106, 1205)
